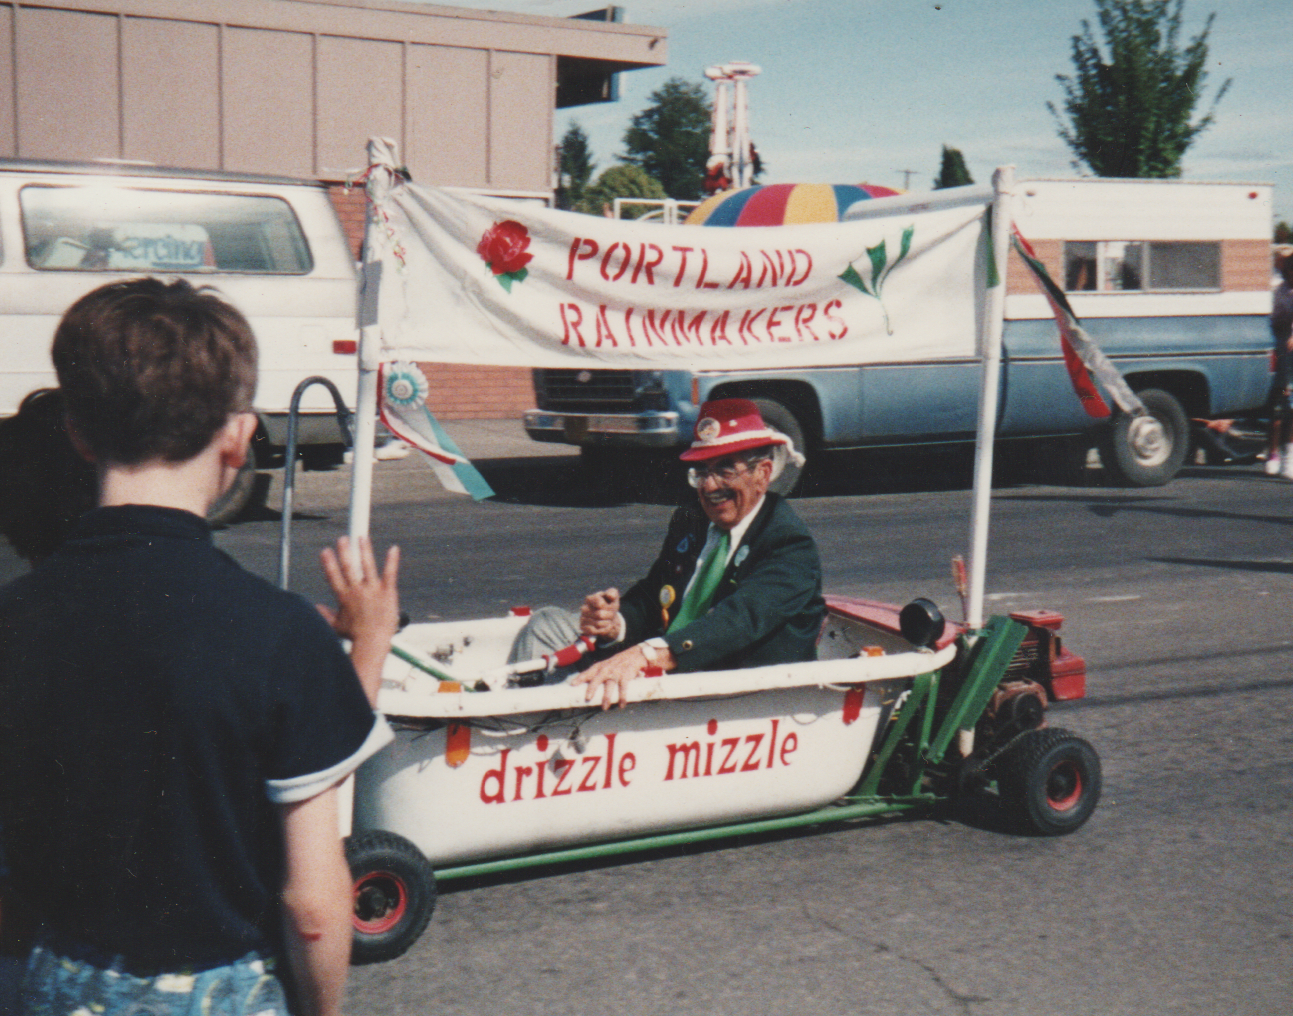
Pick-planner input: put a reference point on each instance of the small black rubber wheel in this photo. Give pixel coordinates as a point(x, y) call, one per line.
point(1147, 451)
point(779, 418)
point(1049, 780)
point(233, 501)
point(394, 888)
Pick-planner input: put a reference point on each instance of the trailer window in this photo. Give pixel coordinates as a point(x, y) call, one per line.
point(122, 229)
point(1079, 266)
point(1184, 265)
point(1115, 266)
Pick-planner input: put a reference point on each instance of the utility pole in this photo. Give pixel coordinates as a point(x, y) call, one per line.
point(906, 177)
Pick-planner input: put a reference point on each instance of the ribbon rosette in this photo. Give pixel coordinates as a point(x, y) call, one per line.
point(406, 385)
point(504, 247)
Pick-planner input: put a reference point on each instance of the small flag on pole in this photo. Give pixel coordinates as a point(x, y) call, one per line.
point(1085, 361)
point(401, 403)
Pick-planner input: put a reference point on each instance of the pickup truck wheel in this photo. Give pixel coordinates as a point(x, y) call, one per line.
point(779, 418)
point(1049, 780)
point(394, 894)
point(233, 501)
point(1147, 451)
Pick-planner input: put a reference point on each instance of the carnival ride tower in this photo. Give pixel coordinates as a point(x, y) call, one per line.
point(731, 153)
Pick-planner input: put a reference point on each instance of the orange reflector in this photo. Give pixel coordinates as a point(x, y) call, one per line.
point(449, 686)
point(457, 744)
point(345, 346)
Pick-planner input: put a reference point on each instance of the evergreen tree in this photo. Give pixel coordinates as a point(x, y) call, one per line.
point(1283, 232)
point(952, 172)
point(670, 138)
point(620, 182)
point(576, 166)
point(1130, 114)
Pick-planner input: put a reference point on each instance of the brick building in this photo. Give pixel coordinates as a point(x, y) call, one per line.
point(296, 87)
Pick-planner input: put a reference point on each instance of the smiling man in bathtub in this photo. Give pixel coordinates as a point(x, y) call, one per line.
point(738, 582)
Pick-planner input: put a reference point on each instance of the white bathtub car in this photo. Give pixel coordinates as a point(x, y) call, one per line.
point(901, 712)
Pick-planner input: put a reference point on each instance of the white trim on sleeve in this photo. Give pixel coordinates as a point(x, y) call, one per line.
point(302, 788)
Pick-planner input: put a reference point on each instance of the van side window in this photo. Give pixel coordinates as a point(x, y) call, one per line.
point(1112, 266)
point(122, 229)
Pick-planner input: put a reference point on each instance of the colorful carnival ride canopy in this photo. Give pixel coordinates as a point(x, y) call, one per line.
point(785, 204)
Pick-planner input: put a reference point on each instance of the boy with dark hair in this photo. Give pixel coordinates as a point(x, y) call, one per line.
point(174, 727)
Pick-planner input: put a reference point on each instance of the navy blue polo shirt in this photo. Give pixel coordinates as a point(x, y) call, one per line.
point(157, 701)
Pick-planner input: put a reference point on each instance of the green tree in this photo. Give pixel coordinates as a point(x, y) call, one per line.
point(670, 138)
point(1283, 232)
point(576, 166)
point(620, 182)
point(1130, 114)
point(952, 172)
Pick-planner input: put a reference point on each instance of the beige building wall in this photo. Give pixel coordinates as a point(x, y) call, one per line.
point(296, 87)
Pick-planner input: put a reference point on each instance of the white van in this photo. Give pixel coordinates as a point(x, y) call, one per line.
point(272, 246)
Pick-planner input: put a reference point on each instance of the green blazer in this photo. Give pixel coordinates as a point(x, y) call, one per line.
point(768, 607)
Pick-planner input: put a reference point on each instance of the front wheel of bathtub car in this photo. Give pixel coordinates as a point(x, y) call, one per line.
point(394, 894)
point(1049, 781)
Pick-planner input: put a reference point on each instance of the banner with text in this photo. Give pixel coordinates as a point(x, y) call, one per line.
point(451, 277)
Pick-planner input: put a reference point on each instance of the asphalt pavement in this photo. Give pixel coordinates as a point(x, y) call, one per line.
point(1175, 899)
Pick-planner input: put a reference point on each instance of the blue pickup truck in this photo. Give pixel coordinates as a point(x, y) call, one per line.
point(1171, 279)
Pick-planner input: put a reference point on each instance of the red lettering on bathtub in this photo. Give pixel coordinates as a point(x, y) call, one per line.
point(540, 771)
point(685, 758)
point(728, 765)
point(562, 766)
point(498, 776)
point(552, 776)
point(590, 772)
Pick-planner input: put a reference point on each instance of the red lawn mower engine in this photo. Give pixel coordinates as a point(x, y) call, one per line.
point(1043, 671)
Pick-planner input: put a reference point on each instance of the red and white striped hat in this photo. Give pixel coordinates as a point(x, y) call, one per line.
point(727, 426)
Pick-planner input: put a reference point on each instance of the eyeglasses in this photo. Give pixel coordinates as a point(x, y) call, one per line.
point(724, 470)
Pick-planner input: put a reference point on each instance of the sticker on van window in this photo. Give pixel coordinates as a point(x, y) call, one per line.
point(142, 246)
point(161, 247)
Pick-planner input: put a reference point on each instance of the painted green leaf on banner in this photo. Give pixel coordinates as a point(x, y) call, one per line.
point(880, 270)
point(879, 258)
point(852, 277)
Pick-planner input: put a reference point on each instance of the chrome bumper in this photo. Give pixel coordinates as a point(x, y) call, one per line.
point(643, 430)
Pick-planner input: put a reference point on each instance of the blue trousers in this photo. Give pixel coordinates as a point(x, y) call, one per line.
point(57, 986)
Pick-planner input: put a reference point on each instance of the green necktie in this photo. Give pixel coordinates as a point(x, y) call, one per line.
point(698, 597)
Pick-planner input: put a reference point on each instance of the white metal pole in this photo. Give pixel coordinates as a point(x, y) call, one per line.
point(361, 467)
point(718, 142)
point(740, 152)
point(1003, 183)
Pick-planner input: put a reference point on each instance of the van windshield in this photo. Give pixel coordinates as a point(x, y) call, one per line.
point(106, 228)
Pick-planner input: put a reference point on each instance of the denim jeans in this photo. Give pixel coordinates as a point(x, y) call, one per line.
point(57, 986)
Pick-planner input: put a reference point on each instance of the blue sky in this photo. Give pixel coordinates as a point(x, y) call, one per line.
point(859, 90)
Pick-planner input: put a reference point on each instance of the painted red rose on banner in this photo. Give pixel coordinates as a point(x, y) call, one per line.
point(504, 248)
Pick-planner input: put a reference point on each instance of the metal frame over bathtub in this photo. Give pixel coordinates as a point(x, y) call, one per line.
point(990, 651)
